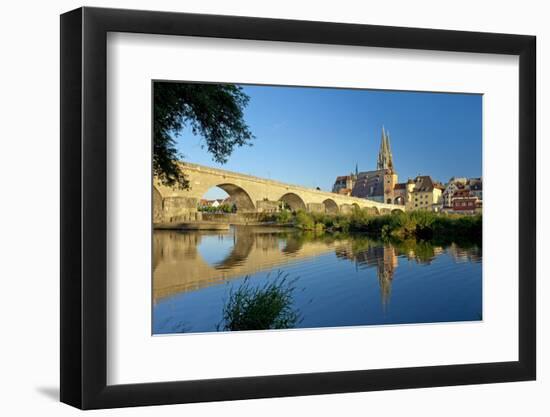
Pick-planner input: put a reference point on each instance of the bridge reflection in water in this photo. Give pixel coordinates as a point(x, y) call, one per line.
point(189, 262)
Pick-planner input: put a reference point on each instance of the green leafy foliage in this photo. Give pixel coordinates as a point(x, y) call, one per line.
point(212, 111)
point(283, 217)
point(222, 208)
point(304, 220)
point(264, 307)
point(398, 225)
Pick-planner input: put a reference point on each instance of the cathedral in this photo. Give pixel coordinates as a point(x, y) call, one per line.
point(420, 193)
point(375, 185)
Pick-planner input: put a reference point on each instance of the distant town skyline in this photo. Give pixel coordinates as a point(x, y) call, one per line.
point(309, 136)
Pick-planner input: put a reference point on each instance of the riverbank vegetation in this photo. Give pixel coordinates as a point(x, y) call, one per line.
point(397, 226)
point(222, 208)
point(270, 306)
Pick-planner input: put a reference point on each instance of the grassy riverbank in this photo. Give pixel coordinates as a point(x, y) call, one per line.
point(414, 224)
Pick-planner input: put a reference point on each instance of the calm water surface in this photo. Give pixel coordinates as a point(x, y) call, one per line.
point(340, 280)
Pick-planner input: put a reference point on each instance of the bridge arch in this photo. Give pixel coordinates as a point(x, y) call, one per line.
point(346, 208)
point(399, 200)
point(330, 206)
point(239, 253)
point(294, 201)
point(238, 196)
point(373, 211)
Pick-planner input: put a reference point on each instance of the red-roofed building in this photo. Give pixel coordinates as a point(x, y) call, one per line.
point(465, 201)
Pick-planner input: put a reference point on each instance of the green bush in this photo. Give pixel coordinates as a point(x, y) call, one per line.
point(260, 308)
point(398, 225)
point(223, 208)
point(419, 224)
point(284, 217)
point(304, 220)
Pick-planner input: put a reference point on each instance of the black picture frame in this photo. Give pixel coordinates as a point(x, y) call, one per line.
point(84, 207)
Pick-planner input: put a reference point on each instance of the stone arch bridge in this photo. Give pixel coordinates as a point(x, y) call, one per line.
point(250, 194)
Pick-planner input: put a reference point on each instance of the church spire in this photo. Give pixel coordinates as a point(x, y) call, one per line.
point(385, 158)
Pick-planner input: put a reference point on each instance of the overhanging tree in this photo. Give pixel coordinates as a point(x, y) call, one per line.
point(212, 111)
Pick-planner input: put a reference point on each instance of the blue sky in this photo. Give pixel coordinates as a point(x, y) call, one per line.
point(308, 136)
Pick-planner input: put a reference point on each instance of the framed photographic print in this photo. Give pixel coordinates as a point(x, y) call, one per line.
point(257, 208)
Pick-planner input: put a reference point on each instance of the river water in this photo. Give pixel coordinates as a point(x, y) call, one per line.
point(337, 280)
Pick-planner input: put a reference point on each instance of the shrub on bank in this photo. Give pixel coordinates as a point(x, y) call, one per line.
point(284, 217)
point(223, 208)
point(399, 225)
point(252, 307)
point(304, 220)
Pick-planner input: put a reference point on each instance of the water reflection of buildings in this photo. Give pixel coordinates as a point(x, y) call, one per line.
point(462, 255)
point(181, 264)
point(383, 257)
point(421, 252)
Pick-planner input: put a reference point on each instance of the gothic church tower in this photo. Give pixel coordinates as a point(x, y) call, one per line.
point(385, 158)
point(385, 163)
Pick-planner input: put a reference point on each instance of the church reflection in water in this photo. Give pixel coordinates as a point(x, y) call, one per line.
point(188, 261)
point(383, 257)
